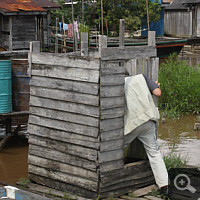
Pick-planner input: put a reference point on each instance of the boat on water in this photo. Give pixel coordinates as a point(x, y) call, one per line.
point(165, 45)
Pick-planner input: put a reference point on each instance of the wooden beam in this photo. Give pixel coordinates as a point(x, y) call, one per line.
point(127, 53)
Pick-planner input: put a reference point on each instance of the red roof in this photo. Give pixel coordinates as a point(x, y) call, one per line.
point(8, 6)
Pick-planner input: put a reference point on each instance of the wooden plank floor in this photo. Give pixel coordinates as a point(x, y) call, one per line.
point(140, 194)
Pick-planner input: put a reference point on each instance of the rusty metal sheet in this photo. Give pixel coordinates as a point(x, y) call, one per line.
point(46, 4)
point(20, 84)
point(19, 5)
point(167, 1)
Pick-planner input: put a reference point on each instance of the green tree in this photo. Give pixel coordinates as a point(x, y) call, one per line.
point(133, 11)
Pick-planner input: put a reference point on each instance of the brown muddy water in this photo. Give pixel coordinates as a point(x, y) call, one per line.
point(180, 134)
point(13, 162)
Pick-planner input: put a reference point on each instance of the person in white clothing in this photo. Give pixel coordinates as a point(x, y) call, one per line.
point(140, 119)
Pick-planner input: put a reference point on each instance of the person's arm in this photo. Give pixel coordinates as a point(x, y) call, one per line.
point(154, 87)
point(157, 91)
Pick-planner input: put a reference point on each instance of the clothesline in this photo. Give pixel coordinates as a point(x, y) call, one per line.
point(69, 28)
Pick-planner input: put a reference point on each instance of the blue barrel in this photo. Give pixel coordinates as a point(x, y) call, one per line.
point(5, 86)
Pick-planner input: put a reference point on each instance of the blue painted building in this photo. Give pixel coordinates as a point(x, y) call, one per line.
point(157, 26)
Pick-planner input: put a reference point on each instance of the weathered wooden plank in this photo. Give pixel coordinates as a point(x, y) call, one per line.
point(112, 113)
point(112, 135)
point(144, 191)
point(111, 165)
point(53, 192)
point(111, 145)
point(140, 179)
point(62, 72)
point(65, 60)
point(112, 91)
point(65, 95)
point(130, 169)
point(62, 157)
point(63, 186)
point(112, 67)
point(66, 178)
point(64, 136)
point(65, 106)
point(65, 126)
point(142, 175)
point(111, 155)
point(111, 124)
point(64, 116)
point(126, 189)
point(112, 102)
point(73, 86)
point(72, 149)
point(112, 79)
point(64, 168)
point(128, 52)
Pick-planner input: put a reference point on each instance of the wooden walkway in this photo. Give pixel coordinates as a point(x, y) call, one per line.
point(146, 193)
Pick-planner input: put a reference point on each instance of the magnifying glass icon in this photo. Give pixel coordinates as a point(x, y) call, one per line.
point(183, 182)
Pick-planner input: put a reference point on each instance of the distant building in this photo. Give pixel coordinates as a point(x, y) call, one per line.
point(24, 21)
point(157, 26)
point(182, 18)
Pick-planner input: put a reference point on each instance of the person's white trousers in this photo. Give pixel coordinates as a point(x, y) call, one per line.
point(146, 133)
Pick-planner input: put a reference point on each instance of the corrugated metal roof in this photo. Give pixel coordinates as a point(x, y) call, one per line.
point(176, 5)
point(8, 6)
point(46, 4)
point(191, 1)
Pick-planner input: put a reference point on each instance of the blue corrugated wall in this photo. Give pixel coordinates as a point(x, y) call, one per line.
point(155, 26)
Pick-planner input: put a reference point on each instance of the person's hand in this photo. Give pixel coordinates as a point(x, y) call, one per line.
point(158, 84)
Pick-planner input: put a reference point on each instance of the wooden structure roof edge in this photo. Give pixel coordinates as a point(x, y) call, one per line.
point(26, 7)
point(176, 5)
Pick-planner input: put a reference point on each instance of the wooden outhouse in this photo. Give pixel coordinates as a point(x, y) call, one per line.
point(181, 18)
point(24, 21)
point(76, 122)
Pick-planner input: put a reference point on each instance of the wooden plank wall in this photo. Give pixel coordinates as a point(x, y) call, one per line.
point(115, 177)
point(64, 123)
point(4, 31)
point(178, 23)
point(23, 31)
point(77, 119)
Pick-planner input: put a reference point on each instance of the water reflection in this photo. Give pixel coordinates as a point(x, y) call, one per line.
point(181, 133)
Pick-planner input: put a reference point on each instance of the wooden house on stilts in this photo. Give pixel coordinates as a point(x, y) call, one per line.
point(24, 21)
point(76, 122)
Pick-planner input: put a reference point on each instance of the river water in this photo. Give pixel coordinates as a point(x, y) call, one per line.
point(179, 133)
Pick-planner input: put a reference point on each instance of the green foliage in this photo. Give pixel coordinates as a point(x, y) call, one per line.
point(23, 182)
point(180, 85)
point(175, 160)
point(66, 196)
point(133, 11)
point(154, 193)
point(66, 12)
